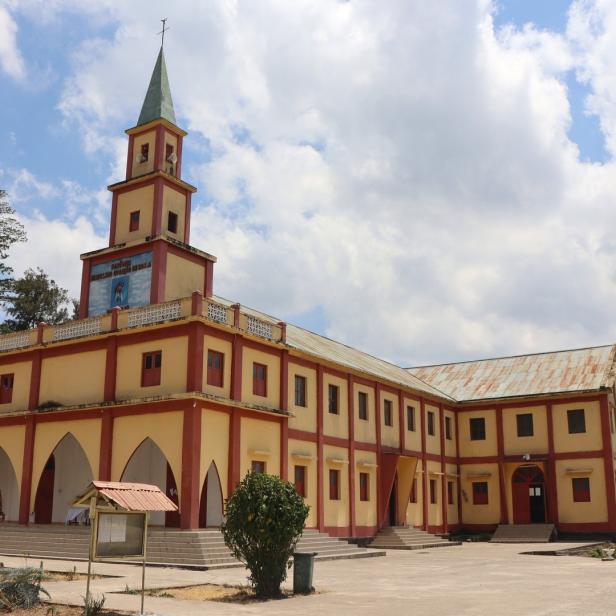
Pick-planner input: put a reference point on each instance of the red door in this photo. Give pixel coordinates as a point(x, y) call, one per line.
point(528, 492)
point(43, 504)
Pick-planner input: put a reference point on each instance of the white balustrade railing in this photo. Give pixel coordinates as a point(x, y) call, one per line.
point(259, 328)
point(76, 329)
point(18, 340)
point(217, 312)
point(156, 313)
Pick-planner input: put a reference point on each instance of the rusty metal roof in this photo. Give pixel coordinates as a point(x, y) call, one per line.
point(523, 375)
point(134, 496)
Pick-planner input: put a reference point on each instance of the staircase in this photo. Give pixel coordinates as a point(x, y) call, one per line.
point(524, 533)
point(184, 548)
point(408, 538)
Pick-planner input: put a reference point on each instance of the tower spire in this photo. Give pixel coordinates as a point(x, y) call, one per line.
point(158, 102)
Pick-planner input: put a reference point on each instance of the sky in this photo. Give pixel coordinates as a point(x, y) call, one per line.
point(425, 181)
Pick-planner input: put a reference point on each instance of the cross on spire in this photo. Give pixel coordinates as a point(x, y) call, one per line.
point(162, 32)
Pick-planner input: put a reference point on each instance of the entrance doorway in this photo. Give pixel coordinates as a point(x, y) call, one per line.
point(528, 489)
point(211, 506)
point(392, 507)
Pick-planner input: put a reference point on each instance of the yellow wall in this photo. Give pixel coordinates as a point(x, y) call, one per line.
point(305, 416)
point(365, 511)
point(215, 447)
point(49, 434)
point(21, 385)
point(435, 510)
point(489, 446)
point(591, 440)
point(12, 441)
point(141, 199)
point(298, 453)
point(174, 201)
point(336, 511)
point(336, 424)
point(519, 445)
point(365, 430)
point(260, 441)
point(570, 511)
point(173, 370)
point(183, 277)
point(222, 346)
point(433, 443)
point(414, 512)
point(59, 382)
point(148, 166)
point(390, 435)
point(272, 362)
point(412, 439)
point(480, 514)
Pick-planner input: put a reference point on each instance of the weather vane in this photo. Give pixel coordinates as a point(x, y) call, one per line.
point(162, 42)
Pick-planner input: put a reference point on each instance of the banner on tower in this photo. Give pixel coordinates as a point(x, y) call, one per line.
point(122, 282)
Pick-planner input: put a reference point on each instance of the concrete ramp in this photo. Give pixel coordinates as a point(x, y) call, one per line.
point(524, 533)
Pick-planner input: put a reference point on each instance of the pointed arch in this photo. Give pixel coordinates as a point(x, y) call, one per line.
point(9, 490)
point(148, 464)
point(65, 474)
point(211, 509)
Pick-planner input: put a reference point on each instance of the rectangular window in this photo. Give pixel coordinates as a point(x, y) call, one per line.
point(525, 424)
point(259, 379)
point(433, 491)
point(145, 152)
point(450, 492)
point(257, 466)
point(332, 399)
point(410, 418)
point(581, 489)
point(300, 480)
point(413, 498)
point(134, 221)
point(576, 421)
point(6, 388)
point(150, 368)
point(448, 428)
point(215, 365)
point(480, 493)
point(430, 423)
point(172, 222)
point(478, 428)
point(363, 405)
point(168, 152)
point(300, 390)
point(334, 484)
point(387, 413)
point(364, 486)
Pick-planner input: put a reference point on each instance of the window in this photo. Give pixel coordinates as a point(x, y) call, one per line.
point(215, 363)
point(410, 418)
point(145, 152)
point(478, 428)
point(334, 484)
point(581, 489)
point(150, 370)
point(134, 221)
point(363, 405)
point(257, 466)
point(169, 158)
point(300, 480)
point(172, 222)
point(576, 421)
point(364, 486)
point(387, 413)
point(300, 390)
point(332, 397)
point(480, 493)
point(450, 492)
point(525, 424)
point(6, 388)
point(413, 498)
point(430, 423)
point(448, 428)
point(433, 491)
point(259, 379)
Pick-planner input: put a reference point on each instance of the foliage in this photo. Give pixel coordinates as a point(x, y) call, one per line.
point(34, 298)
point(93, 606)
point(265, 517)
point(11, 232)
point(20, 588)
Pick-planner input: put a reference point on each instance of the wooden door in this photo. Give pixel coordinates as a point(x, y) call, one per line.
point(528, 492)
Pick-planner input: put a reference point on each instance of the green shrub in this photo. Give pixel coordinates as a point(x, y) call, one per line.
point(20, 588)
point(93, 606)
point(265, 517)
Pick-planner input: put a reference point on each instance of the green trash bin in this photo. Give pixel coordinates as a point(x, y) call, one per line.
point(303, 566)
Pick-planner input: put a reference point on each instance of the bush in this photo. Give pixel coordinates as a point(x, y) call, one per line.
point(20, 588)
point(93, 606)
point(265, 519)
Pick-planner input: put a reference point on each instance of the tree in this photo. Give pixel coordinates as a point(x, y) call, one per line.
point(11, 232)
point(265, 519)
point(34, 298)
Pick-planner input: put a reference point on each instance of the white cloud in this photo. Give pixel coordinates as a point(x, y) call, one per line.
point(11, 59)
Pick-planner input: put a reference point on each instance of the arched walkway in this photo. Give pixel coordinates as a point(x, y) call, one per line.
point(66, 474)
point(9, 492)
point(211, 505)
point(148, 464)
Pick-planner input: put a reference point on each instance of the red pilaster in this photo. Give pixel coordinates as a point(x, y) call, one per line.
point(196, 308)
point(352, 474)
point(26, 474)
point(234, 451)
point(236, 367)
point(85, 289)
point(111, 360)
point(187, 215)
point(608, 462)
point(194, 376)
point(159, 272)
point(380, 506)
point(284, 423)
point(444, 501)
point(500, 440)
point(320, 457)
point(159, 145)
point(106, 447)
point(35, 380)
point(114, 219)
point(129, 156)
point(424, 464)
point(459, 469)
point(552, 488)
point(208, 288)
point(178, 165)
point(401, 420)
point(191, 465)
point(157, 209)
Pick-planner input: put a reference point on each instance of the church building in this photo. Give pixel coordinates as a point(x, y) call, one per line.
point(161, 381)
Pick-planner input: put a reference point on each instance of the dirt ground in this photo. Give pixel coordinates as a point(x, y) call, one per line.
point(210, 592)
point(60, 610)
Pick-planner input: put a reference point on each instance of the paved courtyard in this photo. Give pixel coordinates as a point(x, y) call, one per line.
point(474, 579)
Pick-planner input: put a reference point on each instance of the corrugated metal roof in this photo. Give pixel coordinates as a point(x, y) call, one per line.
point(135, 496)
point(523, 375)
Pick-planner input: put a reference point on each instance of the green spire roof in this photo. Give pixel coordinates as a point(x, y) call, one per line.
point(158, 103)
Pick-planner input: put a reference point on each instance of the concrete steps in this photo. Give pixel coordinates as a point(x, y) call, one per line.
point(408, 538)
point(524, 533)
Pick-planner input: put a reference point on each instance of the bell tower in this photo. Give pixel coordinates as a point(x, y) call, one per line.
point(149, 258)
